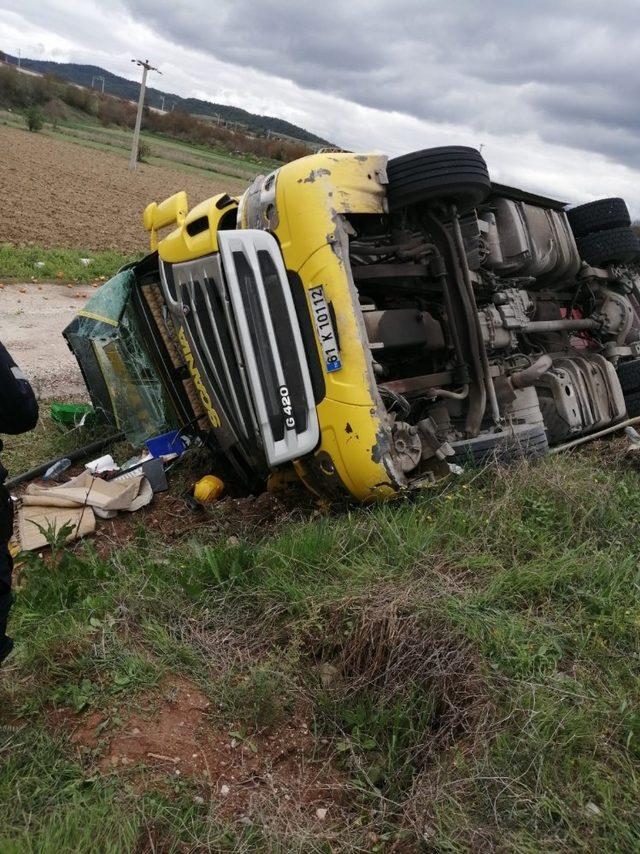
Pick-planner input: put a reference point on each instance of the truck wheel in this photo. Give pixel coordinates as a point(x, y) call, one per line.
point(629, 375)
point(607, 247)
point(452, 173)
point(601, 215)
point(529, 442)
point(632, 402)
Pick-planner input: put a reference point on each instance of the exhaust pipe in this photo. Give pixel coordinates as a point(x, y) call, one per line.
point(531, 375)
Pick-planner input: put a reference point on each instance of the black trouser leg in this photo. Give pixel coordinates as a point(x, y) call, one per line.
point(6, 567)
point(6, 561)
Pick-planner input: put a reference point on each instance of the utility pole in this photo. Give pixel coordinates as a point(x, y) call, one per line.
point(98, 77)
point(162, 107)
point(19, 57)
point(133, 163)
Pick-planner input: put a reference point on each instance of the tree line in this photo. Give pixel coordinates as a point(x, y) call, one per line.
point(49, 98)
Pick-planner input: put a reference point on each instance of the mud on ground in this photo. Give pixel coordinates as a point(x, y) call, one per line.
point(173, 519)
point(173, 736)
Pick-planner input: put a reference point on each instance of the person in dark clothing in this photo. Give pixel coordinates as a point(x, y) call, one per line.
point(18, 413)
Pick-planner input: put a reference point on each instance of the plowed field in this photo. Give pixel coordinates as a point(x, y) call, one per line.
point(55, 193)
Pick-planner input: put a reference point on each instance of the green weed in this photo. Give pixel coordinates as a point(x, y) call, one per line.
point(22, 263)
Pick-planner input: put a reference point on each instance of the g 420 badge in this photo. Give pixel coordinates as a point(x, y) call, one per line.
point(285, 400)
point(324, 328)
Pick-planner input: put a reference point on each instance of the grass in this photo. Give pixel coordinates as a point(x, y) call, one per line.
point(22, 263)
point(469, 658)
point(172, 153)
point(49, 441)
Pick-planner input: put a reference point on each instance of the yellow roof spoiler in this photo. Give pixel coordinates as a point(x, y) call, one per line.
point(196, 231)
point(172, 211)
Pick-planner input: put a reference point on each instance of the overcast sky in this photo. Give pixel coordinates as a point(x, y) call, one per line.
point(547, 88)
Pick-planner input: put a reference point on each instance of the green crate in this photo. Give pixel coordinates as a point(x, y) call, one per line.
point(71, 414)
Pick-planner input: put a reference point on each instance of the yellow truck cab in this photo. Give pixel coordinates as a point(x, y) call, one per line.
point(283, 269)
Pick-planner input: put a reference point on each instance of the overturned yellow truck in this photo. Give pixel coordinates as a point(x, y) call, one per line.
point(367, 321)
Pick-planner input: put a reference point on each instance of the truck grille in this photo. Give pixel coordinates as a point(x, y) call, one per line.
point(243, 336)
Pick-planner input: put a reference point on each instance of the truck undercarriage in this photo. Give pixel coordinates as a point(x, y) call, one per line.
point(486, 329)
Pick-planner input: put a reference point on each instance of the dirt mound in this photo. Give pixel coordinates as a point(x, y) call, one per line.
point(63, 194)
point(173, 736)
point(172, 517)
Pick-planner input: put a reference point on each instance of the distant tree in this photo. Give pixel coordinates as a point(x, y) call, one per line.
point(54, 111)
point(113, 112)
point(144, 151)
point(34, 119)
point(14, 88)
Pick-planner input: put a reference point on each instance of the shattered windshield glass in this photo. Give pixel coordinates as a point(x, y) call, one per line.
point(119, 374)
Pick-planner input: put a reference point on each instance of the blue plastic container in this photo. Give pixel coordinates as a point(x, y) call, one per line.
point(167, 443)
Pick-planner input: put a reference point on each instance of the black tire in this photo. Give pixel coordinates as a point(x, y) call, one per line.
point(632, 402)
point(558, 431)
point(453, 173)
point(620, 245)
point(629, 375)
point(505, 448)
point(601, 215)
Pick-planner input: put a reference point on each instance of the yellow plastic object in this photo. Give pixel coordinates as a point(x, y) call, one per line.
point(196, 233)
point(156, 216)
point(209, 488)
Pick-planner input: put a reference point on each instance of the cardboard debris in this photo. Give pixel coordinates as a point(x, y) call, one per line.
point(35, 521)
point(77, 503)
point(121, 494)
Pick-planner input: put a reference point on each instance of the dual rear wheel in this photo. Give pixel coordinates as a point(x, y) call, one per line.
point(603, 232)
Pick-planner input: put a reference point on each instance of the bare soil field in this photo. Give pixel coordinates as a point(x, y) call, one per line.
point(57, 193)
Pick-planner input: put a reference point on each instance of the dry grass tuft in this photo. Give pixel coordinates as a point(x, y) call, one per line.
point(391, 647)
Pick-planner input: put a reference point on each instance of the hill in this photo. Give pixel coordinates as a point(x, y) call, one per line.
point(82, 75)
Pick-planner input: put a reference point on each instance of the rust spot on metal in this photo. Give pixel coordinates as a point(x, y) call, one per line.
point(314, 175)
point(381, 447)
point(348, 428)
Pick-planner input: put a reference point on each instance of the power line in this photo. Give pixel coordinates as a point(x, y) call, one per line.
point(133, 163)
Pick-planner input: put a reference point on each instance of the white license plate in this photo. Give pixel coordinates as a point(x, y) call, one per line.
point(324, 328)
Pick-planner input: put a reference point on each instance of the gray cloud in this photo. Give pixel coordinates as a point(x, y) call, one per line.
point(560, 68)
point(545, 87)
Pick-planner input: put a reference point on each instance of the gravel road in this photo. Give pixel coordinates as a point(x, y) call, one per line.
point(32, 318)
